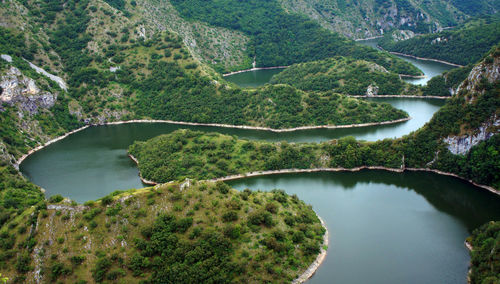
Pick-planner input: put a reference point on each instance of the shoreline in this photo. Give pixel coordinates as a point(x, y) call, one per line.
point(368, 38)
point(253, 69)
point(283, 130)
point(469, 271)
point(401, 96)
point(421, 58)
point(40, 147)
point(412, 76)
point(356, 169)
point(328, 126)
point(143, 180)
point(311, 270)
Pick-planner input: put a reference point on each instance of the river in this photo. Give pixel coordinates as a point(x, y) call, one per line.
point(429, 67)
point(260, 77)
point(384, 227)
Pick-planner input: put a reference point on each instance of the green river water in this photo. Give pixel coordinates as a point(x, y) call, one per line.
point(384, 227)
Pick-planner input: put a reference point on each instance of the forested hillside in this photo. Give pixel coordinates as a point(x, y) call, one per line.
point(463, 45)
point(346, 76)
point(105, 64)
point(485, 253)
point(368, 18)
point(440, 145)
point(279, 38)
point(195, 232)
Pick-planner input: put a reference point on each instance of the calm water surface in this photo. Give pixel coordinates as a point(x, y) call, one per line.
point(387, 227)
point(384, 227)
point(253, 78)
point(92, 163)
point(430, 68)
point(261, 77)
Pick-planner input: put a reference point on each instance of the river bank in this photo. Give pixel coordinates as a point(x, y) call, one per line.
point(314, 170)
point(253, 69)
point(23, 157)
point(259, 127)
point(469, 271)
point(38, 148)
point(145, 181)
point(421, 58)
point(368, 38)
point(356, 169)
point(402, 96)
point(319, 259)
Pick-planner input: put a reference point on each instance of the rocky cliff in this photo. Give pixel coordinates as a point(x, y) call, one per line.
point(486, 72)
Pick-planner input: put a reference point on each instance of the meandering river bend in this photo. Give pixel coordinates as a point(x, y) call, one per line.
point(384, 227)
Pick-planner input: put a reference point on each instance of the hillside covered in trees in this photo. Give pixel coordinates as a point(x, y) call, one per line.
point(367, 18)
point(281, 39)
point(344, 75)
point(465, 44)
point(197, 155)
point(184, 233)
point(485, 253)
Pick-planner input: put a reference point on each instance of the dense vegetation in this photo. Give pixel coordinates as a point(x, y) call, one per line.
point(280, 38)
point(16, 194)
point(171, 93)
point(199, 232)
point(485, 254)
point(447, 83)
point(463, 45)
point(343, 75)
point(193, 154)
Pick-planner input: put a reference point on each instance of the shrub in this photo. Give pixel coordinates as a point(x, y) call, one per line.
point(56, 198)
point(106, 200)
point(77, 259)
point(230, 216)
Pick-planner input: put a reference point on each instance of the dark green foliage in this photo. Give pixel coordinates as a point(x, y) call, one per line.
point(230, 216)
point(205, 259)
point(281, 38)
point(23, 262)
point(102, 266)
point(342, 75)
point(106, 200)
point(56, 198)
point(77, 259)
point(464, 45)
point(14, 44)
point(261, 218)
point(485, 255)
point(196, 155)
point(58, 269)
point(16, 193)
point(171, 93)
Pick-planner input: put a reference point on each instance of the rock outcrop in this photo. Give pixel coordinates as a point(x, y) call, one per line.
point(17, 89)
point(461, 145)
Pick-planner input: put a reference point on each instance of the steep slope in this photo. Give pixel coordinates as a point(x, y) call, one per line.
point(368, 18)
point(67, 64)
point(465, 44)
point(485, 254)
point(194, 232)
point(279, 38)
point(462, 138)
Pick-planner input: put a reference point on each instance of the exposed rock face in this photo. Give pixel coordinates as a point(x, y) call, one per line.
point(54, 78)
point(490, 71)
point(461, 145)
point(402, 35)
point(372, 90)
point(23, 92)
